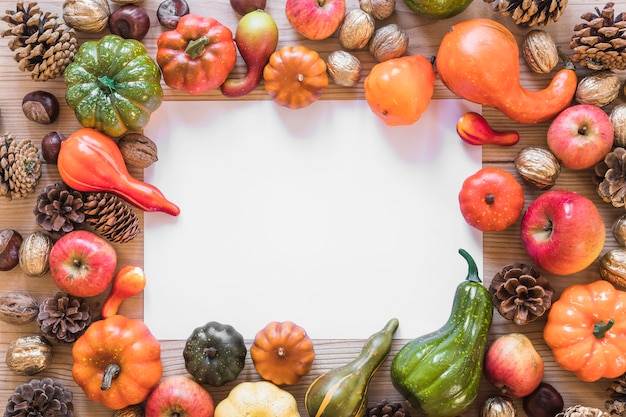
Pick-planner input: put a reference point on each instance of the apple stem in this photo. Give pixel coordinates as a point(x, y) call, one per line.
point(111, 372)
point(599, 329)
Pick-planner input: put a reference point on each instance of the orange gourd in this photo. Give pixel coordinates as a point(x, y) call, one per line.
point(129, 280)
point(282, 353)
point(117, 362)
point(586, 330)
point(295, 76)
point(478, 60)
point(399, 90)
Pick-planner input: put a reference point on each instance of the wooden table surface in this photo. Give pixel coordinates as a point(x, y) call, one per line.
point(500, 249)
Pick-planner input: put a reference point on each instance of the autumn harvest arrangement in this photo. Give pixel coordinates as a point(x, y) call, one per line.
point(113, 84)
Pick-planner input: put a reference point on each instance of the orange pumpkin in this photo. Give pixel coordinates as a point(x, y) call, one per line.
point(399, 90)
point(117, 362)
point(586, 330)
point(295, 76)
point(282, 353)
point(478, 60)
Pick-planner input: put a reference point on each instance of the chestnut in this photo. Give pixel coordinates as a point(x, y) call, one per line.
point(544, 401)
point(41, 107)
point(50, 146)
point(170, 12)
point(130, 22)
point(10, 242)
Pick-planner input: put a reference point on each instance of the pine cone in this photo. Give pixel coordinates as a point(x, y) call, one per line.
point(616, 406)
point(582, 411)
point(45, 45)
point(608, 175)
point(599, 43)
point(20, 167)
point(520, 293)
point(112, 217)
point(63, 317)
point(386, 408)
point(59, 208)
point(531, 12)
point(40, 398)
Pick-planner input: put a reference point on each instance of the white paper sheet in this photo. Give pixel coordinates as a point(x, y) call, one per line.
point(322, 216)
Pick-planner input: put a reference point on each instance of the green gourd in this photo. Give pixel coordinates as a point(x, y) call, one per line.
point(439, 373)
point(342, 391)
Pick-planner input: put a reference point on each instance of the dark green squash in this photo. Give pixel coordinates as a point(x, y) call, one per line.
point(439, 373)
point(215, 354)
point(342, 391)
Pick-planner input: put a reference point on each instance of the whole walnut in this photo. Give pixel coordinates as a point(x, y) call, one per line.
point(86, 15)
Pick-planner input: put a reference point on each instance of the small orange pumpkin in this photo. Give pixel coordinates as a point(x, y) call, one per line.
point(282, 353)
point(295, 76)
point(117, 362)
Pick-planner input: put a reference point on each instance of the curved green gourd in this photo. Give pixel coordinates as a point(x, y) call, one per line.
point(342, 391)
point(439, 373)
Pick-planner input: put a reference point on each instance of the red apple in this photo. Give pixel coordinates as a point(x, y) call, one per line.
point(179, 396)
point(513, 365)
point(563, 232)
point(82, 263)
point(315, 19)
point(580, 136)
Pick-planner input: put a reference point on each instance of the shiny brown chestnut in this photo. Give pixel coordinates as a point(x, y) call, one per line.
point(10, 242)
point(170, 12)
point(50, 146)
point(41, 107)
point(544, 401)
point(130, 22)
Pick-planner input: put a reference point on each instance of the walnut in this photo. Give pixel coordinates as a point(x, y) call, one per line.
point(390, 41)
point(356, 30)
point(540, 51)
point(379, 9)
point(86, 15)
point(598, 89)
point(344, 68)
point(137, 150)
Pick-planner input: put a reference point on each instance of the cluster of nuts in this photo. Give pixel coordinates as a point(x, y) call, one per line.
point(31, 253)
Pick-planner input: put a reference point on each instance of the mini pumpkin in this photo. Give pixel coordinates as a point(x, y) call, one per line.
point(295, 76)
point(259, 398)
point(215, 353)
point(282, 352)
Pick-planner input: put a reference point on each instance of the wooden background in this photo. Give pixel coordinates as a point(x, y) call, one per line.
point(500, 249)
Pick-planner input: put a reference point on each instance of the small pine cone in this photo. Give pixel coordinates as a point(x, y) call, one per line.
point(582, 411)
point(609, 175)
point(43, 43)
point(616, 405)
point(520, 293)
point(40, 398)
point(59, 209)
point(529, 13)
point(63, 317)
point(386, 408)
point(112, 217)
point(598, 42)
point(20, 167)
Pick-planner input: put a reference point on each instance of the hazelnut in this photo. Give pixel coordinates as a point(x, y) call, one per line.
point(10, 242)
point(35, 253)
point(170, 12)
point(390, 41)
point(344, 68)
point(41, 107)
point(50, 146)
point(130, 22)
point(356, 30)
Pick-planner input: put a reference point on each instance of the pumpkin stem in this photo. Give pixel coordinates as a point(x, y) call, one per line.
point(211, 352)
point(490, 199)
point(281, 352)
point(472, 271)
point(599, 329)
point(111, 372)
point(106, 84)
point(195, 47)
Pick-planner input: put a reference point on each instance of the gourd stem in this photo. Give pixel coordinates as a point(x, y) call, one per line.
point(195, 47)
point(472, 269)
point(111, 372)
point(106, 84)
point(600, 328)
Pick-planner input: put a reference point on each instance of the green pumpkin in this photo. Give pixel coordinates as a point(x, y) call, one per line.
point(438, 9)
point(113, 85)
point(215, 354)
point(439, 373)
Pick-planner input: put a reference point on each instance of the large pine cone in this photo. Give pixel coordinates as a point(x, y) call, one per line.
point(608, 175)
point(112, 217)
point(529, 13)
point(63, 317)
point(20, 167)
point(387, 408)
point(520, 293)
point(59, 209)
point(599, 42)
point(40, 398)
point(43, 43)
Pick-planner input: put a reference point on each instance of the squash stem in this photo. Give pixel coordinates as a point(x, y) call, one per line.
point(106, 84)
point(111, 372)
point(196, 47)
point(472, 270)
point(599, 329)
